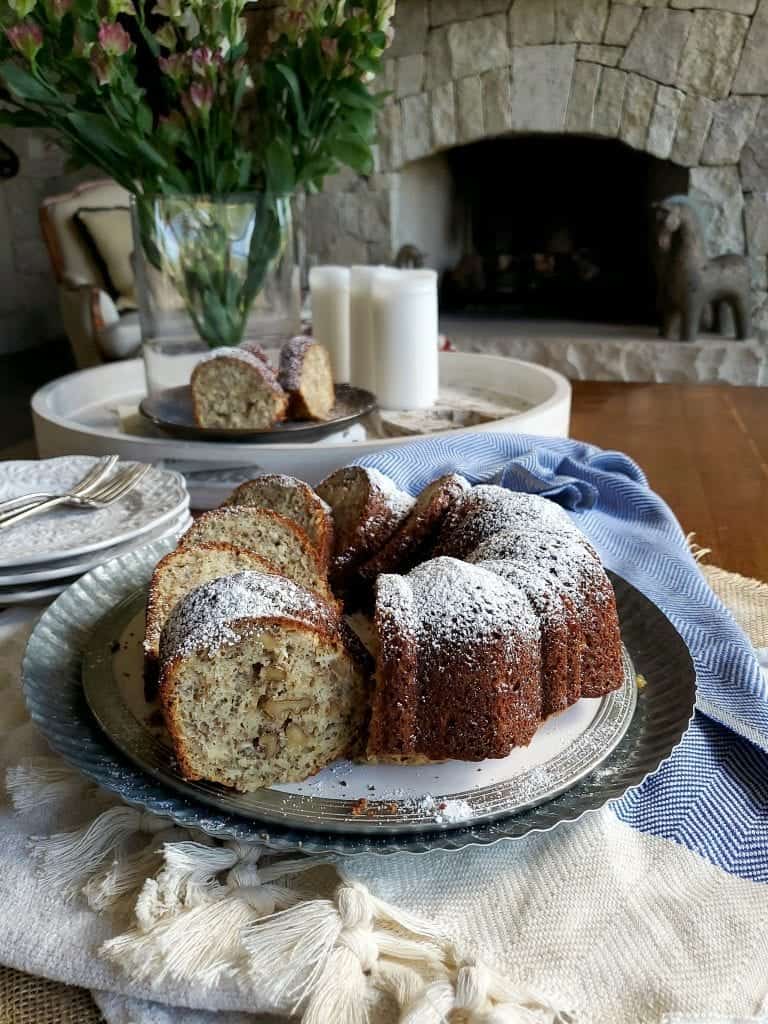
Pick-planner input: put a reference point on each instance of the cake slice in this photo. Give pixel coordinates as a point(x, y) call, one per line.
point(305, 376)
point(367, 509)
point(175, 575)
point(234, 389)
point(293, 499)
point(258, 685)
point(414, 537)
point(270, 535)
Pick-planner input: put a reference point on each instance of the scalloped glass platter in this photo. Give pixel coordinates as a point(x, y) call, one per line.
point(82, 682)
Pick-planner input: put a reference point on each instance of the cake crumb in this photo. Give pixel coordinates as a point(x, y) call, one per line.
point(359, 807)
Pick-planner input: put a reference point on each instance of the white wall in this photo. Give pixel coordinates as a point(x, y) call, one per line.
point(425, 214)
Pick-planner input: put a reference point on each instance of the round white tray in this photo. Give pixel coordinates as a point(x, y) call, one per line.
point(76, 415)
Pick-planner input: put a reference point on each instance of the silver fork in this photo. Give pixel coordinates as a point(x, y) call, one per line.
point(116, 487)
point(95, 475)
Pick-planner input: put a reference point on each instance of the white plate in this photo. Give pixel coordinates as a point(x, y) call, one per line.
point(35, 594)
point(64, 533)
point(28, 595)
point(72, 569)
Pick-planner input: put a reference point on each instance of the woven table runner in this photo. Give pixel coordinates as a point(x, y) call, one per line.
point(29, 1000)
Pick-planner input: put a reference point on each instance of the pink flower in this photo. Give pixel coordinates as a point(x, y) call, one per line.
point(202, 59)
point(330, 47)
point(198, 99)
point(114, 39)
point(173, 65)
point(101, 65)
point(27, 38)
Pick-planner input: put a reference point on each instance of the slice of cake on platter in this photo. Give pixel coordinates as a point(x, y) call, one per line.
point(367, 509)
point(175, 575)
point(305, 376)
point(293, 499)
point(277, 539)
point(258, 684)
point(234, 389)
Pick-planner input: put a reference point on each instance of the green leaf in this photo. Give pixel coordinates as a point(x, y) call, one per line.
point(99, 133)
point(355, 154)
point(281, 174)
point(293, 84)
point(354, 94)
point(25, 86)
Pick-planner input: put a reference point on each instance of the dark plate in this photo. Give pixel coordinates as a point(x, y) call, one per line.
point(171, 411)
point(53, 690)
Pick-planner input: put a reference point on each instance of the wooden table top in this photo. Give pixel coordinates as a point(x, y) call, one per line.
point(704, 449)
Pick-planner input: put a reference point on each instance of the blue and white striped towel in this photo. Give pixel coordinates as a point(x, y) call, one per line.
point(712, 795)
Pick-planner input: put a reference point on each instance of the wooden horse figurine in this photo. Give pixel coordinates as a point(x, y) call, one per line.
point(689, 282)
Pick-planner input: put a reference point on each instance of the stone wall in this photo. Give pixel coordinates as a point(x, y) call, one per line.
point(683, 80)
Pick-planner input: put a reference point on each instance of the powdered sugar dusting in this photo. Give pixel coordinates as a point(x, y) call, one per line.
point(262, 367)
point(394, 498)
point(202, 620)
point(487, 510)
point(562, 555)
point(292, 360)
point(462, 604)
point(440, 809)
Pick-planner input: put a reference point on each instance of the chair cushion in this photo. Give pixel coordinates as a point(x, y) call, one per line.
point(108, 231)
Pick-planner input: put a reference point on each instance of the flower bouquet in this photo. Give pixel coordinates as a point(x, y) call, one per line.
point(210, 135)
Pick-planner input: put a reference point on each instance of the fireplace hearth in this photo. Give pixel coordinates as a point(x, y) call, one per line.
point(555, 227)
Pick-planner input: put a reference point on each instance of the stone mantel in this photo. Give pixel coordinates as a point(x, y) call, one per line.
point(684, 80)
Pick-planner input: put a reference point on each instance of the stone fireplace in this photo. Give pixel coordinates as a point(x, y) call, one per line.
point(534, 133)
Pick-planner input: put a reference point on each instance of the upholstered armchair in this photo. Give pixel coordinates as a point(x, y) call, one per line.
point(87, 232)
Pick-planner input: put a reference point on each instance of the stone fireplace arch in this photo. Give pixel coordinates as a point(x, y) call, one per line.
point(683, 83)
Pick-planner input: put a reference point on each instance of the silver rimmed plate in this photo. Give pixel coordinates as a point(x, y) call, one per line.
point(66, 533)
point(171, 411)
point(77, 623)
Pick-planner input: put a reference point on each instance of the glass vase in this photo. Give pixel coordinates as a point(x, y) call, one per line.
point(212, 273)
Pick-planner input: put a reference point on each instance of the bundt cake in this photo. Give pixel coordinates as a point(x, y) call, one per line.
point(367, 509)
point(257, 683)
point(296, 501)
point(413, 538)
point(181, 571)
point(234, 389)
point(279, 540)
point(458, 670)
point(305, 376)
point(492, 611)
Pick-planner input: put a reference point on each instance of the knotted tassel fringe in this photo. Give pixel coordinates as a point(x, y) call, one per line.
point(335, 954)
point(190, 924)
point(331, 953)
point(127, 874)
point(68, 859)
point(475, 994)
point(40, 781)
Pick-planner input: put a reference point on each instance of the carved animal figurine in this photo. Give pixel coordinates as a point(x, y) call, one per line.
point(688, 281)
point(409, 257)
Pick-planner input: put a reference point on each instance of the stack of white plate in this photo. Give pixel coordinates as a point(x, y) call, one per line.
point(41, 556)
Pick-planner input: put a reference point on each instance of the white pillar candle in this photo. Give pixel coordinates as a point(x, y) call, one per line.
point(329, 287)
point(405, 339)
point(361, 339)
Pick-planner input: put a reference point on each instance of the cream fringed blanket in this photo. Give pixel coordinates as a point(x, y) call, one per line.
point(653, 907)
point(615, 937)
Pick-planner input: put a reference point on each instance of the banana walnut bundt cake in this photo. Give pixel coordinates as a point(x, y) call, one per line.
point(490, 612)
